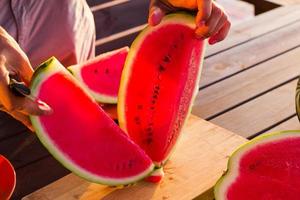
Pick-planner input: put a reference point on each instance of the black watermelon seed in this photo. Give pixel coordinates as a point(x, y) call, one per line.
point(167, 59)
point(106, 71)
point(161, 68)
point(149, 140)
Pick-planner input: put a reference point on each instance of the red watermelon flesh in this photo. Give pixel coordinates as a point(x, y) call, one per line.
point(267, 168)
point(7, 178)
point(159, 81)
point(101, 75)
point(80, 134)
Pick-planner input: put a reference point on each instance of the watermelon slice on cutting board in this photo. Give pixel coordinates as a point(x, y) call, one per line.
point(159, 83)
point(101, 75)
point(80, 135)
point(267, 168)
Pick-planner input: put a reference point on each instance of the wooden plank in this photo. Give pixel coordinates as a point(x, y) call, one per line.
point(116, 44)
point(249, 54)
point(248, 84)
point(284, 2)
point(120, 17)
point(260, 25)
point(259, 114)
point(239, 34)
point(291, 124)
point(238, 11)
point(37, 175)
point(22, 149)
point(262, 6)
point(9, 127)
point(96, 2)
point(108, 4)
point(199, 160)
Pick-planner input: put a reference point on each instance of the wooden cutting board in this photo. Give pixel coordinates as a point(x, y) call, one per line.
point(196, 164)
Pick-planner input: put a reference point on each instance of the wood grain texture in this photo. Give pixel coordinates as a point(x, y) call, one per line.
point(92, 3)
point(120, 17)
point(249, 54)
point(260, 25)
point(249, 84)
point(262, 6)
point(284, 2)
point(22, 149)
point(9, 127)
point(198, 161)
point(291, 124)
point(260, 113)
point(38, 174)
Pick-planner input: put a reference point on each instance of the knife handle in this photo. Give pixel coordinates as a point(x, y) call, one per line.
point(18, 88)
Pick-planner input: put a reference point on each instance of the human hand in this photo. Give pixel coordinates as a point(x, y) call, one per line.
point(14, 62)
point(211, 21)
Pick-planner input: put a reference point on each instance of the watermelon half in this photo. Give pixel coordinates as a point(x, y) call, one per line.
point(101, 75)
point(159, 82)
point(80, 135)
point(267, 168)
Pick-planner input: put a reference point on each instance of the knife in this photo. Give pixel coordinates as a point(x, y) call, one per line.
point(19, 88)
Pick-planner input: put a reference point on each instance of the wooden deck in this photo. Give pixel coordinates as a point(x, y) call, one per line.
point(247, 86)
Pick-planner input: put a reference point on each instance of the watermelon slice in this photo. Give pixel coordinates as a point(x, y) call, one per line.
point(80, 135)
point(101, 76)
point(266, 168)
point(159, 82)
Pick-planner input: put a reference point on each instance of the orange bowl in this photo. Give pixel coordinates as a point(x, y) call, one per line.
point(7, 178)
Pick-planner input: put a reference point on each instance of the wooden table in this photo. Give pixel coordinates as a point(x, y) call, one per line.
point(247, 87)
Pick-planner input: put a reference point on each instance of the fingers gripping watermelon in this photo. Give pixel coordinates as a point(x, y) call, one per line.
point(159, 82)
point(266, 168)
point(80, 135)
point(101, 75)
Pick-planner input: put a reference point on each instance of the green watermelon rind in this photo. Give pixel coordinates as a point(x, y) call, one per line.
point(297, 99)
point(43, 72)
point(175, 18)
point(231, 174)
point(100, 98)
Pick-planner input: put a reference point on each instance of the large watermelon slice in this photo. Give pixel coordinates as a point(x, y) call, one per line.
point(267, 168)
point(101, 75)
point(158, 84)
point(80, 135)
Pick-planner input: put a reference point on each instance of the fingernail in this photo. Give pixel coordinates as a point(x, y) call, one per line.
point(44, 107)
point(156, 17)
point(212, 41)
